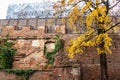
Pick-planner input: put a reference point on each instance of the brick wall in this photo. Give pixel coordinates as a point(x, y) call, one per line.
point(84, 67)
point(49, 24)
point(30, 40)
point(58, 73)
point(29, 31)
point(90, 55)
point(84, 72)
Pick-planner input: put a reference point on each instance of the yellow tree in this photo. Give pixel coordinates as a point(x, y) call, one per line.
point(95, 14)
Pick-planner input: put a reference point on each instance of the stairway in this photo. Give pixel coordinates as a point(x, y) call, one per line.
point(19, 57)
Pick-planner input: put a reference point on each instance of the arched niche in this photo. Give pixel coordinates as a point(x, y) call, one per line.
point(50, 46)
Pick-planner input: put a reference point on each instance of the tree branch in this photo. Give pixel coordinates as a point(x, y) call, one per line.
point(112, 27)
point(75, 3)
point(107, 6)
point(115, 4)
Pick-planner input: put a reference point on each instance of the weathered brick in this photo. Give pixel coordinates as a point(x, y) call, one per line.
point(22, 22)
point(30, 52)
point(32, 22)
point(13, 23)
point(4, 22)
point(41, 22)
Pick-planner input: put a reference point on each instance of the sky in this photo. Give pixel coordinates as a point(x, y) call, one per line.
point(4, 5)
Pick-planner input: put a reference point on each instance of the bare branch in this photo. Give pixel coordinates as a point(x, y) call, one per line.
point(112, 27)
point(75, 3)
point(107, 6)
point(114, 4)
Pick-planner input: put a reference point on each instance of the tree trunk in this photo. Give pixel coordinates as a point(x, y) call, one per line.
point(103, 66)
point(103, 60)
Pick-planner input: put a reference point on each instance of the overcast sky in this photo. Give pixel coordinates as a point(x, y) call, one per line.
point(4, 5)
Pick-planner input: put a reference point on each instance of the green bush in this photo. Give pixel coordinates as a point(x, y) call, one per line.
point(6, 53)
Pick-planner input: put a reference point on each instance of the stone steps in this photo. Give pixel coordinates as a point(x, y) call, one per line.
point(18, 57)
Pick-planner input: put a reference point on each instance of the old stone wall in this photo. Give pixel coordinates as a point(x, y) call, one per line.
point(58, 73)
point(29, 53)
point(47, 25)
point(84, 67)
point(84, 72)
point(90, 55)
point(30, 39)
point(31, 35)
point(31, 27)
point(26, 31)
point(30, 22)
point(89, 60)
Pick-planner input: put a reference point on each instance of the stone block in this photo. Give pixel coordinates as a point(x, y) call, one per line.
point(66, 73)
point(93, 72)
point(7, 76)
point(60, 29)
point(4, 22)
point(7, 30)
point(41, 30)
point(114, 71)
point(50, 22)
point(32, 22)
point(41, 22)
point(42, 76)
point(22, 22)
point(42, 42)
point(25, 31)
point(4, 31)
point(63, 29)
point(50, 46)
point(60, 22)
point(33, 33)
point(13, 22)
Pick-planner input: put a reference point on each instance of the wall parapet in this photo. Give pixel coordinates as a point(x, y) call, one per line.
point(51, 25)
point(26, 31)
point(31, 22)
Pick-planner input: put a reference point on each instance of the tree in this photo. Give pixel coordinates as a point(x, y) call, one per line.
point(95, 14)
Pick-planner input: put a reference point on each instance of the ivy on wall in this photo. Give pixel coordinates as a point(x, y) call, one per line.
point(7, 57)
point(6, 53)
point(50, 55)
point(22, 72)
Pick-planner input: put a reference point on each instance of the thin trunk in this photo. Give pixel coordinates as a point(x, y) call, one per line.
point(103, 60)
point(103, 66)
